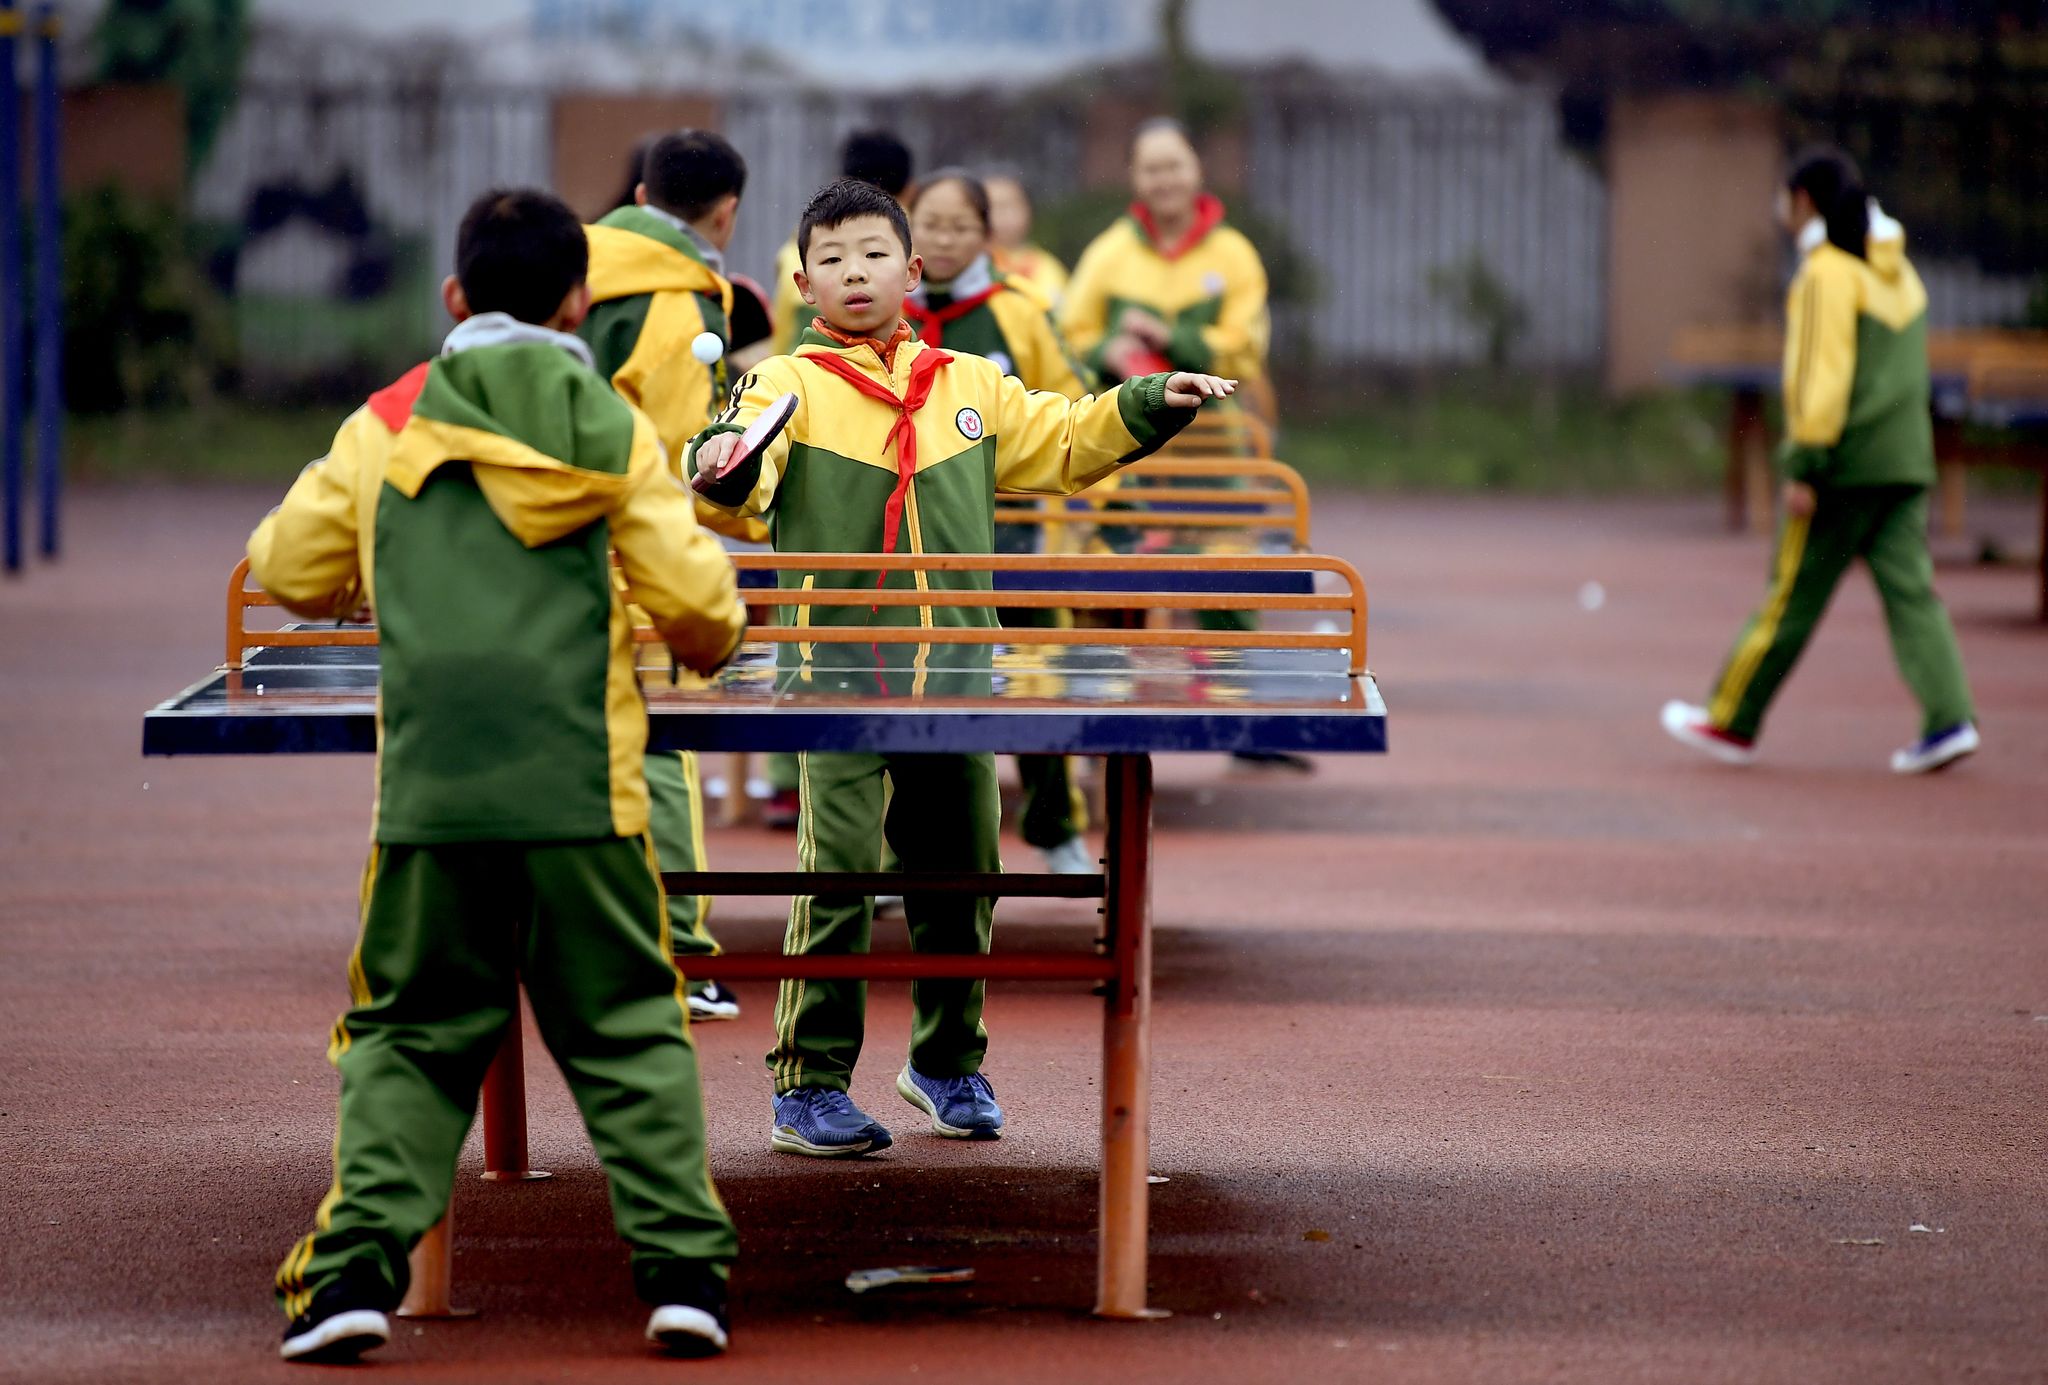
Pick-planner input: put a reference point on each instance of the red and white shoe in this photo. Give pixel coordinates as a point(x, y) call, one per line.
point(1690, 726)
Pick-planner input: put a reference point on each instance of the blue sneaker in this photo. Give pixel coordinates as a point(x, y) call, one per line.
point(824, 1123)
point(1937, 751)
point(961, 1108)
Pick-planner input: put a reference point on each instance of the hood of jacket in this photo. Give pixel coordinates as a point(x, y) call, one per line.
point(551, 447)
point(634, 251)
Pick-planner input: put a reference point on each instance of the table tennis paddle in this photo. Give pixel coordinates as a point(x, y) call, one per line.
point(762, 431)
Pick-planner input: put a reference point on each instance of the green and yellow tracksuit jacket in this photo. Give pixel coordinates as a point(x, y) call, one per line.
point(652, 295)
point(1002, 318)
point(476, 504)
point(841, 479)
point(986, 312)
point(1037, 267)
point(1209, 288)
point(1856, 384)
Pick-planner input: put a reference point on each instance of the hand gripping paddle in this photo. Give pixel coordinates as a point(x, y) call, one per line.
point(759, 434)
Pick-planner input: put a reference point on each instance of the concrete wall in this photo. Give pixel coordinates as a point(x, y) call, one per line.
point(593, 132)
point(1690, 186)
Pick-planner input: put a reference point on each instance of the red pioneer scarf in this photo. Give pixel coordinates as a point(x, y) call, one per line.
point(1208, 216)
point(903, 433)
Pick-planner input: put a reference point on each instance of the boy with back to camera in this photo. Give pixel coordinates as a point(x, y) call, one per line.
point(476, 505)
point(899, 447)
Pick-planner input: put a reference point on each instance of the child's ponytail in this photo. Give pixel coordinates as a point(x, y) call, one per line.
point(1832, 180)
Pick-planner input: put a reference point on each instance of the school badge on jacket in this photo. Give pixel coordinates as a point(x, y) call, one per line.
point(968, 421)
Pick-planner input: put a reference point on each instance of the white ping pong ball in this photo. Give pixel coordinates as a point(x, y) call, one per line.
point(707, 347)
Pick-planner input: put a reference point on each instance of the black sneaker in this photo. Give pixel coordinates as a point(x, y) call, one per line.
point(337, 1329)
point(711, 1001)
point(1274, 759)
point(693, 1322)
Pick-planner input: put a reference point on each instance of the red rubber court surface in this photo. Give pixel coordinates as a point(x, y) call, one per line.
point(1534, 1050)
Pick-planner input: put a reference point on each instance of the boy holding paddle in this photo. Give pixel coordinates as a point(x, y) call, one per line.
point(890, 447)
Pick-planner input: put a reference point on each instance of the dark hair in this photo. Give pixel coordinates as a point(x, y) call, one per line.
point(1009, 172)
point(687, 172)
point(973, 188)
point(520, 251)
point(1833, 181)
point(876, 157)
point(839, 202)
point(1157, 123)
point(636, 164)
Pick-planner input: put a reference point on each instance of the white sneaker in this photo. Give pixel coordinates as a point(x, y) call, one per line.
point(1070, 857)
point(1690, 726)
point(711, 1001)
point(1938, 751)
point(684, 1329)
point(337, 1338)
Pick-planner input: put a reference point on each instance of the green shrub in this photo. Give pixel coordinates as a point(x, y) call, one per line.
point(142, 327)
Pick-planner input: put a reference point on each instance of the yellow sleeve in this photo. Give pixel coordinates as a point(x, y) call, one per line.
point(1235, 344)
point(1084, 312)
point(1048, 274)
point(1820, 356)
point(1047, 444)
point(756, 390)
point(792, 314)
point(662, 377)
point(308, 551)
point(674, 570)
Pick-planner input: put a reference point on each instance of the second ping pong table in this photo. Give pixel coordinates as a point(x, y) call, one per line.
point(1123, 695)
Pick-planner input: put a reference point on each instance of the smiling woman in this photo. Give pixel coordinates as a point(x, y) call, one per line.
point(1169, 286)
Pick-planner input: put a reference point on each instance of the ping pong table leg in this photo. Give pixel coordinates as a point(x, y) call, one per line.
point(433, 1273)
point(504, 1108)
point(1127, 1045)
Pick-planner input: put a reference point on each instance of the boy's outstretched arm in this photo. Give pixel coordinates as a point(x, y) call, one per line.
point(307, 551)
point(675, 570)
point(751, 489)
point(1046, 445)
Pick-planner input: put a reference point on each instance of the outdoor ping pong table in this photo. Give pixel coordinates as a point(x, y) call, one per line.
point(1123, 694)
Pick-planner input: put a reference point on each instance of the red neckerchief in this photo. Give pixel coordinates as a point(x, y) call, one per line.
point(884, 349)
point(931, 322)
point(393, 404)
point(1208, 216)
point(903, 433)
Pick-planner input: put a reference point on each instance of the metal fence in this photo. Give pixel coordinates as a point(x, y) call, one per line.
point(791, 144)
point(1419, 217)
point(1403, 203)
point(332, 215)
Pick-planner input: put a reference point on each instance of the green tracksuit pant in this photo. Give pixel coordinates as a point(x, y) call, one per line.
point(1885, 526)
point(448, 934)
point(936, 813)
point(675, 819)
point(1053, 812)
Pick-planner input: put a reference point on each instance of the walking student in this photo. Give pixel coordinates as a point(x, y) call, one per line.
point(1858, 460)
point(476, 505)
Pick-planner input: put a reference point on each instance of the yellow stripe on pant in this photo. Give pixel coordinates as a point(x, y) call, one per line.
point(1763, 631)
point(291, 1275)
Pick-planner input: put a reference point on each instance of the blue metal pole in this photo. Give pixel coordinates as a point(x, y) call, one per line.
point(49, 289)
point(10, 281)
